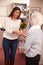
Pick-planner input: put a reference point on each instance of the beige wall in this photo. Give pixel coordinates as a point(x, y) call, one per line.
point(37, 3)
point(42, 7)
point(6, 2)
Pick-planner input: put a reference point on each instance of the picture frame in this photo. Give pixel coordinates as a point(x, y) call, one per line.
point(33, 9)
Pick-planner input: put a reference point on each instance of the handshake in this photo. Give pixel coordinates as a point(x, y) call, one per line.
point(21, 34)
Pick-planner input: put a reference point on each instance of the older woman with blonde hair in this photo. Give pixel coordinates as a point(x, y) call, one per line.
point(36, 18)
point(32, 46)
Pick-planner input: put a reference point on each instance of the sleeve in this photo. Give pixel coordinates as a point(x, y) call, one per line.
point(19, 24)
point(8, 31)
point(28, 42)
point(2, 25)
point(5, 26)
point(8, 28)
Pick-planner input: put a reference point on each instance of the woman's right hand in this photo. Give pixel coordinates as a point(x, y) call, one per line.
point(22, 33)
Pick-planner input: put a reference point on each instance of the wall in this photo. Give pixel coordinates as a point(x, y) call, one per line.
point(6, 2)
point(37, 3)
point(42, 7)
point(22, 1)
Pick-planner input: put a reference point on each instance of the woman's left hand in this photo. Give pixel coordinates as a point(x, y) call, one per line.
point(22, 33)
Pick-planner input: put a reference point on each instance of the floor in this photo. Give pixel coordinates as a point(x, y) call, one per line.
point(19, 59)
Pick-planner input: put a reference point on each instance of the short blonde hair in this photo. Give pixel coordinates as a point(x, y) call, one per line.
point(37, 18)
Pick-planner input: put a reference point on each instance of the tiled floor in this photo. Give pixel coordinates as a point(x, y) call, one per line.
point(19, 60)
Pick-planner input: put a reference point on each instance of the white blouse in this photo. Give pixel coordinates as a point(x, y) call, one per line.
point(10, 26)
point(33, 42)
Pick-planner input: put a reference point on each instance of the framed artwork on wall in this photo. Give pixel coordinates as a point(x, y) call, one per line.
point(33, 9)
